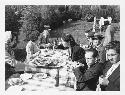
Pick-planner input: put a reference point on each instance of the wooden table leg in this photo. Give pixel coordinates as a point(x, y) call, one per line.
point(57, 78)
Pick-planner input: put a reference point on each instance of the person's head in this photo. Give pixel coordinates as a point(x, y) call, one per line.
point(89, 32)
point(90, 39)
point(33, 36)
point(113, 52)
point(91, 56)
point(68, 40)
point(97, 40)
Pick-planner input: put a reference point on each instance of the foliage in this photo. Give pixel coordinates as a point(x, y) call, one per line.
point(12, 21)
point(34, 17)
point(106, 10)
point(86, 9)
point(75, 12)
point(30, 21)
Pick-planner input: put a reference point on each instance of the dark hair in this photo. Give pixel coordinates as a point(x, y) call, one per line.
point(95, 52)
point(97, 37)
point(106, 23)
point(33, 36)
point(114, 45)
point(90, 30)
point(69, 39)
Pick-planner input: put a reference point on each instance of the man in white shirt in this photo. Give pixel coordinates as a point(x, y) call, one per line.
point(110, 81)
point(46, 33)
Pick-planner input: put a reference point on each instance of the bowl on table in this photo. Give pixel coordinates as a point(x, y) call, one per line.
point(25, 76)
point(40, 76)
point(15, 81)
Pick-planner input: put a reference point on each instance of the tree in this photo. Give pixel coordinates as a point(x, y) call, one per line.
point(30, 21)
point(11, 19)
point(75, 12)
point(12, 22)
point(106, 10)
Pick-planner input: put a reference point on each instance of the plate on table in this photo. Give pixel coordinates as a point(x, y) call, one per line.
point(39, 76)
point(15, 81)
point(25, 76)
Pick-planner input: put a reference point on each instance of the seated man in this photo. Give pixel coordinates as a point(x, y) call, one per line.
point(110, 81)
point(89, 35)
point(87, 77)
point(99, 42)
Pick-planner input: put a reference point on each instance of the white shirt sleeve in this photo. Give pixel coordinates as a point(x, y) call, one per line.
point(28, 50)
point(107, 38)
point(111, 70)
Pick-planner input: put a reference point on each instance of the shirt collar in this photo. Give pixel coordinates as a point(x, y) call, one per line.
point(117, 64)
point(99, 46)
point(93, 65)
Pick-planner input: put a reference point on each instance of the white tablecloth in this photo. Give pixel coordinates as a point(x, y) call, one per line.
point(66, 78)
point(47, 84)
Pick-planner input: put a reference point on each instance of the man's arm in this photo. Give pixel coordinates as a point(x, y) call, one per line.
point(28, 52)
point(107, 37)
point(82, 77)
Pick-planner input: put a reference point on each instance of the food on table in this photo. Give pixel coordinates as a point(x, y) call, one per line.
point(39, 76)
point(25, 76)
point(50, 58)
point(15, 81)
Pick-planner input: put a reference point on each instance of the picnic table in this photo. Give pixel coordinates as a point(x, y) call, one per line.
point(58, 78)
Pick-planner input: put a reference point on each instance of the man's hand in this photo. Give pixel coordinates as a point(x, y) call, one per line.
point(103, 81)
point(77, 64)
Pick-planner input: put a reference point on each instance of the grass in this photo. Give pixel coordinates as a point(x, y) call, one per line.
point(78, 28)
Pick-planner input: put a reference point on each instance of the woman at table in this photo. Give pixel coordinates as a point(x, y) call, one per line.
point(86, 79)
point(32, 49)
point(76, 53)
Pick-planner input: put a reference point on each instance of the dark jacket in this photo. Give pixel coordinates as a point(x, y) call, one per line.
point(114, 79)
point(102, 54)
point(78, 54)
point(9, 70)
point(87, 78)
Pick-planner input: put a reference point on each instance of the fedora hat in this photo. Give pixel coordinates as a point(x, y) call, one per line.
point(98, 36)
point(91, 34)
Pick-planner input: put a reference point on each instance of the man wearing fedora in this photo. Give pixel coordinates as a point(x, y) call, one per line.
point(44, 36)
point(46, 33)
point(89, 35)
point(99, 43)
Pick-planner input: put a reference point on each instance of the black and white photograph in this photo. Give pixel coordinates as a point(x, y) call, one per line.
point(62, 48)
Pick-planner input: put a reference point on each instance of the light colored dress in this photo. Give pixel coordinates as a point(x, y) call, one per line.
point(31, 49)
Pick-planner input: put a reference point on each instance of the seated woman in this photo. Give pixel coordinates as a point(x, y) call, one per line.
point(9, 56)
point(110, 80)
point(87, 78)
point(76, 53)
point(32, 49)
